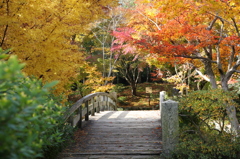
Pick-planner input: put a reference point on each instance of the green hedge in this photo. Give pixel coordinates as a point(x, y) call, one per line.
point(31, 124)
point(199, 136)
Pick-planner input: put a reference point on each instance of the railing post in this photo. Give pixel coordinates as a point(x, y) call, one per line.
point(98, 104)
point(86, 115)
point(170, 126)
point(79, 124)
point(93, 107)
point(107, 102)
point(114, 94)
point(103, 104)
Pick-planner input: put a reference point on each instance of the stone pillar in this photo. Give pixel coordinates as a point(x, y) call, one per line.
point(170, 126)
point(162, 98)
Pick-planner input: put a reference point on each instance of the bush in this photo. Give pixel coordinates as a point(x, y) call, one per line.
point(119, 88)
point(122, 99)
point(31, 122)
point(203, 131)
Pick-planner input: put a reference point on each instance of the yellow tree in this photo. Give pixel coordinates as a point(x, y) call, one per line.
point(42, 33)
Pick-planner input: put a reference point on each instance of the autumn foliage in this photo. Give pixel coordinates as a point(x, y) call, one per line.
point(203, 33)
point(41, 34)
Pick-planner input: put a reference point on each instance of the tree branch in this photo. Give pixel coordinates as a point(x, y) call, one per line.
point(4, 35)
point(202, 75)
point(231, 57)
point(221, 32)
point(207, 53)
point(6, 27)
point(212, 23)
point(233, 69)
point(219, 65)
point(218, 17)
point(196, 57)
point(236, 27)
point(150, 20)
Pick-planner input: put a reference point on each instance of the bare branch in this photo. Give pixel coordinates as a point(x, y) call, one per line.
point(231, 57)
point(4, 35)
point(218, 17)
point(212, 23)
point(6, 27)
point(219, 65)
point(196, 57)
point(150, 20)
point(236, 27)
point(99, 40)
point(208, 52)
point(202, 75)
point(221, 32)
point(232, 70)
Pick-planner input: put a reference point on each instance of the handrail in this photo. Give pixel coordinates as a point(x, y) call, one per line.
point(93, 103)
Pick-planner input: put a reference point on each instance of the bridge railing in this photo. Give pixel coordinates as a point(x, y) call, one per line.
point(89, 105)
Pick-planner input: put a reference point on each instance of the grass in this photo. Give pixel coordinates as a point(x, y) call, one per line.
point(141, 101)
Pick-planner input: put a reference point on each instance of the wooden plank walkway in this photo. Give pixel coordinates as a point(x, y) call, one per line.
point(118, 135)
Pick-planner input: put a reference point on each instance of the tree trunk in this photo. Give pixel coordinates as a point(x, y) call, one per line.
point(210, 73)
point(134, 89)
point(231, 110)
point(148, 72)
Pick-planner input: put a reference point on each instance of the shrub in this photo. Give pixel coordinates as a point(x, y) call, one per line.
point(119, 88)
point(122, 99)
point(236, 88)
point(203, 131)
point(31, 122)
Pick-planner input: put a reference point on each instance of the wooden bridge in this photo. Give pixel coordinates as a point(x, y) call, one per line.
point(112, 134)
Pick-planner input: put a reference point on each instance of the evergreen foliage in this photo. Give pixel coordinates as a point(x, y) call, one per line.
point(31, 121)
point(204, 131)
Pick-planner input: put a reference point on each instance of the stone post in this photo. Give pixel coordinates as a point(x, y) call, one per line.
point(162, 98)
point(170, 126)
